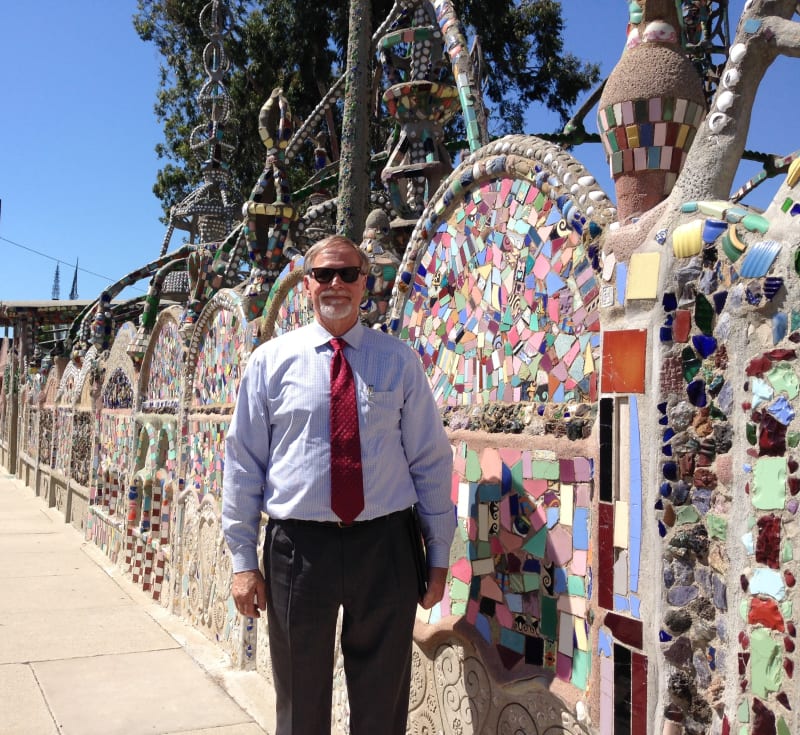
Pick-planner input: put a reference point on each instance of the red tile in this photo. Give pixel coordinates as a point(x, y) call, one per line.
point(605, 565)
point(625, 630)
point(638, 694)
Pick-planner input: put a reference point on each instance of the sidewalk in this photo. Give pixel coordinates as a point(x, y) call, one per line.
point(85, 652)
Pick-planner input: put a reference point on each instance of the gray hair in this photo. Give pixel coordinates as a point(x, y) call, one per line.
point(324, 244)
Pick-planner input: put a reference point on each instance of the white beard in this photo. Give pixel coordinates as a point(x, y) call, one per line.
point(335, 310)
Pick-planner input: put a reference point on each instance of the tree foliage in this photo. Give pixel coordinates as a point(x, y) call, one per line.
point(300, 45)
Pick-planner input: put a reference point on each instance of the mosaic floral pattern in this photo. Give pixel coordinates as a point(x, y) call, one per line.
point(525, 580)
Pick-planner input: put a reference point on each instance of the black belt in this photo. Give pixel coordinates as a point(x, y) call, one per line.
point(339, 524)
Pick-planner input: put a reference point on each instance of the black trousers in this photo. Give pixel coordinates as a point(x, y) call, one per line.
point(368, 569)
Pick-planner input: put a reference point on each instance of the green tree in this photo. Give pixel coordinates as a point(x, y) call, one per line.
point(300, 45)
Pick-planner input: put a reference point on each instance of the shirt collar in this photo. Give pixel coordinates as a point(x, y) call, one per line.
point(353, 336)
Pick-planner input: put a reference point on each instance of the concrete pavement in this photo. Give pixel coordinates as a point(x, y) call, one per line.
point(84, 652)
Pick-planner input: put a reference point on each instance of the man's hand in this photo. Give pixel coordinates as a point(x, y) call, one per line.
point(249, 592)
point(437, 576)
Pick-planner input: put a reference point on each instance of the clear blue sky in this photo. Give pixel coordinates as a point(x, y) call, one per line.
point(77, 132)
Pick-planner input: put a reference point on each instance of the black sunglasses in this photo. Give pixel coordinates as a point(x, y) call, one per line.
point(349, 274)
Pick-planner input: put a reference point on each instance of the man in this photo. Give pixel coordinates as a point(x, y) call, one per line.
point(338, 531)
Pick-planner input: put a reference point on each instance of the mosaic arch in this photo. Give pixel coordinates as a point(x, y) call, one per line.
point(499, 294)
point(497, 291)
point(160, 380)
point(218, 352)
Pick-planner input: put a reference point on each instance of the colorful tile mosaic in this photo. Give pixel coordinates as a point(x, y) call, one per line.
point(766, 644)
point(81, 451)
point(118, 391)
point(525, 578)
point(219, 364)
point(503, 304)
point(205, 452)
point(163, 388)
point(62, 440)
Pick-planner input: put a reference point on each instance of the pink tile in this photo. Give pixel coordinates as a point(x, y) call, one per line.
point(563, 667)
point(490, 589)
point(491, 465)
point(583, 494)
point(578, 564)
point(473, 608)
point(510, 541)
point(535, 488)
point(538, 518)
point(462, 570)
point(504, 616)
point(559, 545)
point(583, 469)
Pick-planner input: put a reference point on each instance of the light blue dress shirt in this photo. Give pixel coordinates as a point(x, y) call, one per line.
point(277, 449)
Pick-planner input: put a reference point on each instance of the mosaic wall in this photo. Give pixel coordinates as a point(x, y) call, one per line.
point(767, 642)
point(288, 307)
point(117, 392)
point(30, 428)
point(504, 287)
point(115, 446)
point(205, 448)
point(219, 361)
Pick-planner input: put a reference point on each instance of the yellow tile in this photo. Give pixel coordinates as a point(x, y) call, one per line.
point(581, 640)
point(643, 276)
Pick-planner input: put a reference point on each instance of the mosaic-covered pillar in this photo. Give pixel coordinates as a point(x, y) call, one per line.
point(726, 503)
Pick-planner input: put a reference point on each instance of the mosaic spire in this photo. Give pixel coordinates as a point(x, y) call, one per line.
point(208, 214)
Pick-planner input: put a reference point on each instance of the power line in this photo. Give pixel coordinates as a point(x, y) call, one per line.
point(62, 262)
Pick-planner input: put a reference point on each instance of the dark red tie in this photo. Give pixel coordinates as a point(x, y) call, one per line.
point(347, 483)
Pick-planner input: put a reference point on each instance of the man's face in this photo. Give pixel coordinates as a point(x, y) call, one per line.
point(336, 303)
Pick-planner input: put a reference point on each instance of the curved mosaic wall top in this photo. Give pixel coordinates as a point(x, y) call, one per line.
point(83, 386)
point(218, 352)
point(502, 284)
point(162, 365)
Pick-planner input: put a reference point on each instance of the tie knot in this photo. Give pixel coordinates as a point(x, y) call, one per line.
point(338, 344)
